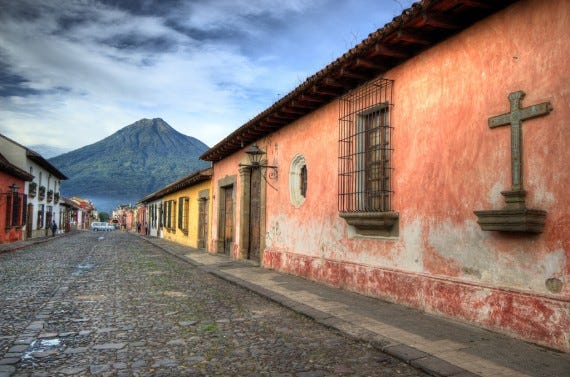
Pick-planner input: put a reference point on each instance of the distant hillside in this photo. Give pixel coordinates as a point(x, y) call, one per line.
point(130, 164)
point(48, 151)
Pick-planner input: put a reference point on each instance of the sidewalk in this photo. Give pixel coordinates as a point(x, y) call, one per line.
point(7, 247)
point(437, 346)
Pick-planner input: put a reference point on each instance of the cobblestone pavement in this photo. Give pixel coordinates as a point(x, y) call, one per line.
point(110, 304)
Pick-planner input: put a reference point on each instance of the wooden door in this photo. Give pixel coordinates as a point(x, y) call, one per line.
point(49, 215)
point(29, 220)
point(254, 215)
point(202, 223)
point(228, 219)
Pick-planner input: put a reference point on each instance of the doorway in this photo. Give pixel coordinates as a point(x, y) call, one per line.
point(226, 227)
point(254, 242)
point(29, 220)
point(202, 222)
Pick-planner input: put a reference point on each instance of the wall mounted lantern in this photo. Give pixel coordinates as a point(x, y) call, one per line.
point(255, 156)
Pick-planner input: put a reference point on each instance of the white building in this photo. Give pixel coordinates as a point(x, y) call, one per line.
point(42, 195)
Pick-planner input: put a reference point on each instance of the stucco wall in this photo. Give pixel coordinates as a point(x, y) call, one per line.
point(447, 163)
point(191, 238)
point(226, 171)
point(11, 234)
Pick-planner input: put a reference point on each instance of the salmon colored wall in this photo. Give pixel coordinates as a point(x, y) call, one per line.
point(190, 239)
point(224, 170)
point(447, 163)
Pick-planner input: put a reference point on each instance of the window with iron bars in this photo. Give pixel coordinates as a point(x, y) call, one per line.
point(365, 157)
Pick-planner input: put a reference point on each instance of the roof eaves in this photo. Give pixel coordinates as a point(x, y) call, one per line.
point(188, 181)
point(376, 54)
point(13, 170)
point(38, 159)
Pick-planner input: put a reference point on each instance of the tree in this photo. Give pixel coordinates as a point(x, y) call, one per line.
point(104, 216)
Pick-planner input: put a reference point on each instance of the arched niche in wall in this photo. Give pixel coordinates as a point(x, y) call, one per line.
point(298, 175)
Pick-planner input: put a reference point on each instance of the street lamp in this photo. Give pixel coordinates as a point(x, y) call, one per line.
point(255, 156)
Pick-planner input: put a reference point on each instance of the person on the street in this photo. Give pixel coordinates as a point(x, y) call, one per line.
point(53, 228)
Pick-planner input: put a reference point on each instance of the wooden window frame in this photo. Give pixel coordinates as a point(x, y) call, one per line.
point(183, 212)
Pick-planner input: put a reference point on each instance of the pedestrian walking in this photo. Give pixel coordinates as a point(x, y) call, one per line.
point(53, 228)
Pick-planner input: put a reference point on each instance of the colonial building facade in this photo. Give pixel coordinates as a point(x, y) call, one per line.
point(77, 214)
point(13, 201)
point(180, 211)
point(43, 192)
point(401, 170)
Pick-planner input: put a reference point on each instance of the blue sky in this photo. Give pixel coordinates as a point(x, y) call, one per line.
point(74, 72)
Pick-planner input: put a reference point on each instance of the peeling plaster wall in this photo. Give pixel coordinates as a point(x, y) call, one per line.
point(448, 163)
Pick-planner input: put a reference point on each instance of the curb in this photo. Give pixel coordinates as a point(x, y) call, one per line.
point(30, 242)
point(423, 361)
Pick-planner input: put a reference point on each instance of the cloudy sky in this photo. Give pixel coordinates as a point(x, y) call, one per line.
point(75, 71)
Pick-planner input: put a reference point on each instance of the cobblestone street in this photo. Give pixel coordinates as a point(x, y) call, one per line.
point(111, 304)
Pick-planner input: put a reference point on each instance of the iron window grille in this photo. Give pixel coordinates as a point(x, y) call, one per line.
point(365, 148)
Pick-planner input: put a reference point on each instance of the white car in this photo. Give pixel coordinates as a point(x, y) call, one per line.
point(98, 226)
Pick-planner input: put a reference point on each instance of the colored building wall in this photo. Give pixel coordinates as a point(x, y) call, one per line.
point(13, 233)
point(17, 155)
point(226, 174)
point(42, 177)
point(447, 163)
point(189, 238)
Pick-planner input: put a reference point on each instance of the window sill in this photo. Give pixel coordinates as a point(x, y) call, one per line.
point(383, 224)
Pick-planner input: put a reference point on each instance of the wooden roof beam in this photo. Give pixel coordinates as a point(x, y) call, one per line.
point(346, 73)
point(368, 64)
point(382, 50)
point(286, 116)
point(289, 109)
point(335, 84)
point(268, 122)
point(436, 22)
point(411, 38)
point(474, 4)
point(324, 91)
point(303, 105)
point(252, 132)
point(307, 98)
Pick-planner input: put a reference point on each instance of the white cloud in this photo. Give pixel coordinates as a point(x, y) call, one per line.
point(95, 69)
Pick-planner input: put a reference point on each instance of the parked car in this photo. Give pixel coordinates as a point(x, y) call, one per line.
point(99, 226)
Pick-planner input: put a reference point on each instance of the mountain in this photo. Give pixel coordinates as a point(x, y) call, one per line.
point(130, 164)
point(48, 151)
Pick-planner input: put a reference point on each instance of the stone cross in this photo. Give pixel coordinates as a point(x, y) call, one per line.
point(515, 118)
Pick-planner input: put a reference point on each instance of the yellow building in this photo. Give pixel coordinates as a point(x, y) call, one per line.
point(180, 212)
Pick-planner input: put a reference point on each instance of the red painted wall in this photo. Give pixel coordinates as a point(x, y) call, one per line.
point(447, 163)
point(14, 233)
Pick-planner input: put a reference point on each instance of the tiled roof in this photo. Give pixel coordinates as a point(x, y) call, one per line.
point(419, 27)
point(188, 181)
point(13, 170)
point(38, 159)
